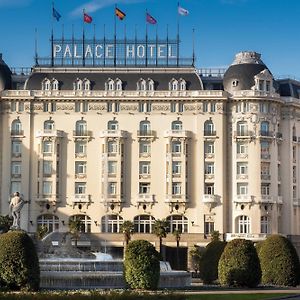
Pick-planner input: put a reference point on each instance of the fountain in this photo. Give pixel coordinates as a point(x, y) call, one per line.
point(97, 270)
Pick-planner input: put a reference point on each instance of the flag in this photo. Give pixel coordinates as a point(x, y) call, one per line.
point(56, 15)
point(182, 11)
point(87, 18)
point(150, 19)
point(121, 15)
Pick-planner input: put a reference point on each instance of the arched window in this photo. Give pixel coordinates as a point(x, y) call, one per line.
point(242, 128)
point(49, 221)
point(46, 85)
point(143, 223)
point(173, 85)
point(209, 128)
point(49, 125)
point(86, 84)
point(112, 125)
point(16, 127)
point(145, 127)
point(176, 125)
point(150, 84)
point(182, 84)
point(243, 224)
point(81, 128)
point(265, 224)
point(111, 223)
point(177, 222)
point(77, 85)
point(141, 85)
point(54, 84)
point(118, 84)
point(109, 85)
point(264, 128)
point(85, 222)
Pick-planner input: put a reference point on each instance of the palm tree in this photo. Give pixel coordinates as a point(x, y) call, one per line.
point(75, 229)
point(127, 228)
point(160, 230)
point(177, 235)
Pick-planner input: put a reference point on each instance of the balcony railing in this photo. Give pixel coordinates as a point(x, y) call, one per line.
point(243, 133)
point(146, 133)
point(149, 198)
point(294, 138)
point(265, 155)
point(265, 133)
point(248, 236)
point(209, 133)
point(176, 133)
point(265, 177)
point(209, 155)
point(209, 198)
point(243, 199)
point(47, 198)
point(14, 132)
point(112, 133)
point(49, 132)
point(82, 133)
point(176, 198)
point(267, 199)
point(81, 198)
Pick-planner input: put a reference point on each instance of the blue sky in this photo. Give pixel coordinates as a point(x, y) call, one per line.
point(222, 27)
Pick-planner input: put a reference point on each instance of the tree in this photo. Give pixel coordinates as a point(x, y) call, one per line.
point(141, 265)
point(160, 228)
point(127, 228)
point(41, 232)
point(215, 236)
point(196, 254)
point(177, 235)
point(5, 223)
point(279, 261)
point(75, 229)
point(239, 264)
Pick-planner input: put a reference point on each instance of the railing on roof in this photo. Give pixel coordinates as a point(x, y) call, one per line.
point(212, 72)
point(21, 70)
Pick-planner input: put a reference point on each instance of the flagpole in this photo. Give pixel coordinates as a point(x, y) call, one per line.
point(104, 41)
point(52, 38)
point(193, 63)
point(125, 43)
point(115, 37)
point(94, 42)
point(167, 45)
point(135, 43)
point(73, 44)
point(83, 42)
point(178, 34)
point(62, 43)
point(156, 42)
point(36, 46)
point(146, 62)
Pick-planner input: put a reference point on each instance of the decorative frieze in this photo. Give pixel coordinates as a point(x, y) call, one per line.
point(98, 106)
point(129, 107)
point(65, 106)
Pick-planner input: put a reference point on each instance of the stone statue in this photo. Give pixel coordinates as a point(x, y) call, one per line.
point(15, 207)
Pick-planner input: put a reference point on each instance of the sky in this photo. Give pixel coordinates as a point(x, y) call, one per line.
point(222, 28)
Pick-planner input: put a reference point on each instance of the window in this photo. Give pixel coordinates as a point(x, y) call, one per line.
point(21, 106)
point(182, 84)
point(177, 222)
point(144, 167)
point(54, 85)
point(209, 127)
point(112, 125)
point(81, 128)
point(235, 83)
point(241, 148)
point(265, 168)
point(16, 148)
point(77, 86)
point(16, 127)
point(51, 222)
point(264, 107)
point(112, 188)
point(143, 224)
point(209, 224)
point(145, 126)
point(176, 147)
point(176, 167)
point(80, 148)
point(176, 125)
point(209, 147)
point(47, 187)
point(16, 168)
point(80, 167)
point(180, 107)
point(46, 85)
point(141, 106)
point(205, 106)
point(264, 128)
point(150, 85)
point(265, 149)
point(145, 147)
point(242, 128)
point(242, 188)
point(112, 167)
point(85, 222)
point(111, 223)
point(243, 224)
point(112, 147)
point(264, 224)
point(109, 85)
point(80, 188)
point(209, 168)
point(176, 188)
point(15, 186)
point(173, 86)
point(109, 106)
point(47, 167)
point(242, 168)
point(173, 106)
point(49, 125)
point(13, 106)
point(242, 107)
point(265, 189)
point(86, 84)
point(209, 189)
point(47, 147)
point(118, 84)
point(144, 188)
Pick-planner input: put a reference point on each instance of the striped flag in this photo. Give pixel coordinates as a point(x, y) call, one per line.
point(150, 19)
point(182, 11)
point(87, 18)
point(120, 14)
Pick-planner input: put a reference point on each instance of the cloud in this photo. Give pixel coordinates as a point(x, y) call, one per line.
point(14, 2)
point(95, 5)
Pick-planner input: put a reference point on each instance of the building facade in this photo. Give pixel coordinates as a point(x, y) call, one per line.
point(110, 144)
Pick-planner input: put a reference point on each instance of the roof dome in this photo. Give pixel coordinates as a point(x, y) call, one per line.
point(5, 75)
point(240, 75)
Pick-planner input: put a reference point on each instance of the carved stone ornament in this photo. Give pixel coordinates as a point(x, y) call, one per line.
point(27, 107)
point(65, 106)
point(220, 107)
point(129, 107)
point(160, 107)
point(190, 107)
point(100, 107)
point(38, 106)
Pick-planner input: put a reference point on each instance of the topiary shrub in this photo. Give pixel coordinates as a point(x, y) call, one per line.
point(19, 265)
point(210, 260)
point(239, 264)
point(141, 265)
point(279, 261)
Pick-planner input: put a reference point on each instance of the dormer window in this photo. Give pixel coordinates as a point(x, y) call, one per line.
point(182, 84)
point(141, 85)
point(110, 85)
point(150, 84)
point(173, 86)
point(46, 85)
point(54, 84)
point(86, 84)
point(118, 84)
point(264, 82)
point(77, 85)
point(235, 83)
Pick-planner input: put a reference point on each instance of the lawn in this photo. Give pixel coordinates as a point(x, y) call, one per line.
point(235, 296)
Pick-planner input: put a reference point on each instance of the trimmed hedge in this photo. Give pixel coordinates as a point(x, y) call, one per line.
point(279, 261)
point(210, 260)
point(239, 265)
point(141, 265)
point(19, 265)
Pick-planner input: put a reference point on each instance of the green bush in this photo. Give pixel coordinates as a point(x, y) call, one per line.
point(210, 260)
point(279, 261)
point(19, 265)
point(141, 265)
point(5, 223)
point(239, 264)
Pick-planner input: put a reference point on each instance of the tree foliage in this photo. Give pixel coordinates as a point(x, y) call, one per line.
point(5, 223)
point(160, 229)
point(19, 265)
point(141, 265)
point(279, 262)
point(127, 228)
point(75, 228)
point(209, 261)
point(239, 264)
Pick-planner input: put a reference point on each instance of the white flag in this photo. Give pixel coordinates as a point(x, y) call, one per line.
point(182, 11)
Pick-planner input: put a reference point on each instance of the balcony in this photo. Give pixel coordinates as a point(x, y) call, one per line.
point(294, 139)
point(44, 198)
point(145, 198)
point(209, 176)
point(243, 134)
point(17, 133)
point(278, 135)
point(265, 156)
point(267, 199)
point(80, 175)
point(209, 198)
point(49, 133)
point(243, 199)
point(176, 198)
point(113, 198)
point(176, 133)
point(209, 133)
point(146, 133)
point(242, 155)
point(113, 133)
point(242, 176)
point(144, 176)
point(266, 134)
point(81, 198)
point(209, 155)
point(265, 177)
point(82, 133)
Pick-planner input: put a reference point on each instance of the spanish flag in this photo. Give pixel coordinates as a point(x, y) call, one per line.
point(121, 15)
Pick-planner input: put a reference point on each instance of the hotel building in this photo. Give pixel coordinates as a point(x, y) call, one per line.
point(106, 144)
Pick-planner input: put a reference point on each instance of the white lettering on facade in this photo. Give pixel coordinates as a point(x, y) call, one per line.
point(151, 50)
point(130, 49)
point(88, 52)
point(75, 52)
point(109, 51)
point(140, 51)
point(97, 54)
point(56, 49)
point(161, 51)
point(67, 52)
